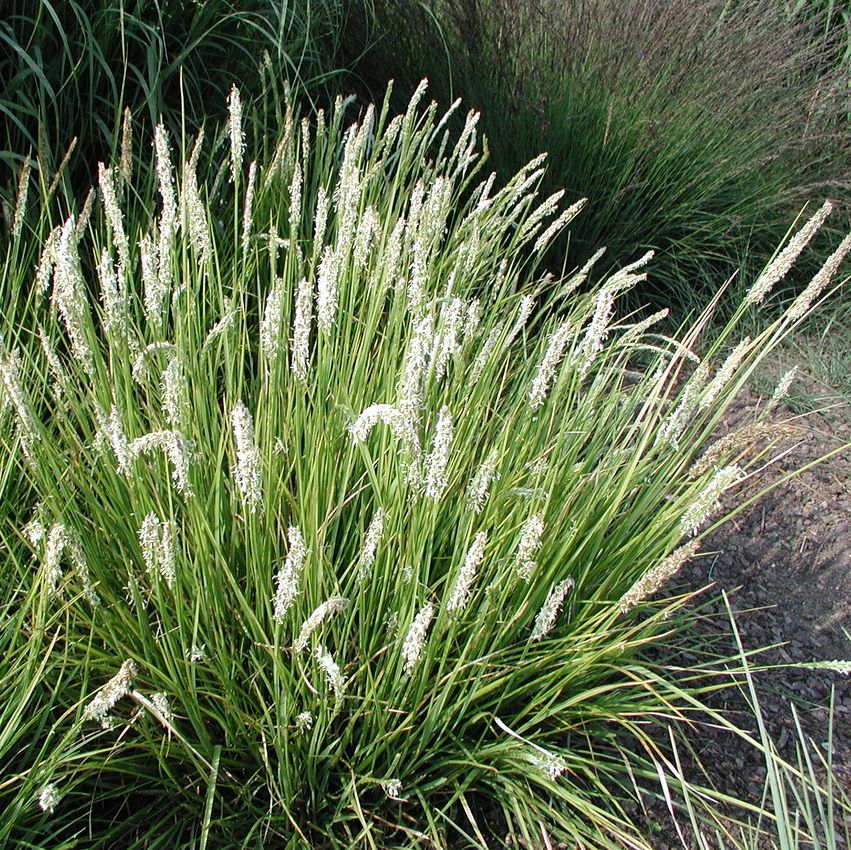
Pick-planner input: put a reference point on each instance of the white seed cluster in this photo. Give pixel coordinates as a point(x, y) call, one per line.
point(327, 609)
point(193, 211)
point(288, 580)
point(448, 342)
point(176, 448)
point(801, 305)
point(551, 765)
point(246, 472)
point(62, 540)
point(392, 788)
point(174, 392)
point(412, 646)
point(370, 544)
point(301, 330)
point(597, 331)
point(334, 676)
point(157, 541)
point(303, 722)
point(460, 592)
point(114, 217)
point(782, 388)
point(708, 500)
point(778, 268)
point(479, 487)
point(438, 460)
point(360, 429)
point(248, 206)
point(547, 367)
point(49, 798)
point(485, 352)
point(656, 576)
point(111, 693)
point(237, 139)
point(530, 541)
point(543, 241)
point(12, 393)
point(725, 373)
point(548, 614)
point(270, 325)
point(69, 297)
point(326, 295)
point(162, 706)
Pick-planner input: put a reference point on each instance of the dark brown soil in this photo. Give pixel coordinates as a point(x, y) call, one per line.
point(785, 563)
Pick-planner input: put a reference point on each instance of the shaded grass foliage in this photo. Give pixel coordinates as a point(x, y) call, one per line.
point(698, 129)
point(69, 68)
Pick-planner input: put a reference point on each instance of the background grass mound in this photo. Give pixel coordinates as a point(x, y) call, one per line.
point(697, 129)
point(326, 549)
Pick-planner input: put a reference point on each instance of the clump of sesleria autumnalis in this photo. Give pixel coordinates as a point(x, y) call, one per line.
point(351, 538)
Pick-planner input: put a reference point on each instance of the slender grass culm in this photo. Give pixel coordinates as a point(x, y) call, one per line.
point(327, 547)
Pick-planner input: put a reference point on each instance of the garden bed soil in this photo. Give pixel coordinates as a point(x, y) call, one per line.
point(785, 563)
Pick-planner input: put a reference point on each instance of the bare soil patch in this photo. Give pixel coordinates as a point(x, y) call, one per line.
point(785, 563)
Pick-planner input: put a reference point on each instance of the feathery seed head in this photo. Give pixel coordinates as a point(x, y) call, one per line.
point(156, 540)
point(385, 413)
point(414, 642)
point(782, 388)
point(326, 296)
point(177, 449)
point(248, 206)
point(548, 614)
point(21, 201)
point(479, 486)
point(327, 609)
point(49, 798)
point(544, 240)
point(709, 499)
point(778, 268)
point(12, 393)
point(289, 576)
point(114, 690)
point(270, 324)
point(597, 331)
point(304, 722)
point(547, 367)
point(466, 576)
point(530, 541)
point(69, 297)
point(333, 674)
point(174, 392)
point(801, 305)
point(295, 201)
point(246, 472)
point(370, 544)
point(125, 163)
point(655, 577)
point(237, 138)
point(438, 460)
point(551, 765)
point(527, 303)
point(724, 374)
point(485, 352)
point(392, 788)
point(320, 221)
point(301, 330)
point(111, 431)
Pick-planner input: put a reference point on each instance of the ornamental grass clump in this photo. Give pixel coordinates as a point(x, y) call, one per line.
point(358, 548)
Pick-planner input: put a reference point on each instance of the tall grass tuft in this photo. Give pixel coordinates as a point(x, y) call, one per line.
point(325, 547)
